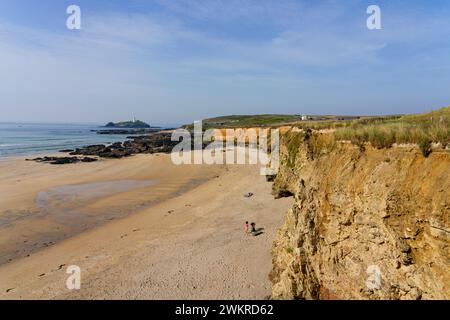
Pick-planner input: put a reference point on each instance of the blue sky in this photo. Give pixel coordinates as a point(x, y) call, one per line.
point(175, 61)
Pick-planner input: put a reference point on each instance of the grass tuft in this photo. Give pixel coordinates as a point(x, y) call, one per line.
point(421, 129)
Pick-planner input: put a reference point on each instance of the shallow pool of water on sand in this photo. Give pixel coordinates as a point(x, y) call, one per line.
point(68, 196)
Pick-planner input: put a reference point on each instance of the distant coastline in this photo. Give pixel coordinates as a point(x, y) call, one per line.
point(135, 124)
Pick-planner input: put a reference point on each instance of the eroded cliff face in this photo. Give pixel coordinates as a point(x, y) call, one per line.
point(365, 224)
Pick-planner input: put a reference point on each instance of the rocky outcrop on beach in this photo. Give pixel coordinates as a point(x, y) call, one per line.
point(154, 143)
point(366, 223)
point(63, 160)
point(160, 142)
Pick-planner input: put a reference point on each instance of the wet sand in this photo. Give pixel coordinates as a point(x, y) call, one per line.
point(176, 231)
point(43, 204)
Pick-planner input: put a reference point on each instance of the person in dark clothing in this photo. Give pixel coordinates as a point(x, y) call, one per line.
point(253, 229)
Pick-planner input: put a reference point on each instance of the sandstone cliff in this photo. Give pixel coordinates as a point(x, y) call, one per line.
point(361, 213)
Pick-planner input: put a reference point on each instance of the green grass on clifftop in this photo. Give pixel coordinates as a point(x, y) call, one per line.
point(380, 131)
point(422, 129)
point(245, 121)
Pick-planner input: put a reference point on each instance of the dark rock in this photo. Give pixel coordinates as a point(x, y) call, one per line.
point(88, 159)
point(403, 246)
point(407, 259)
point(63, 160)
point(159, 142)
point(116, 145)
point(283, 194)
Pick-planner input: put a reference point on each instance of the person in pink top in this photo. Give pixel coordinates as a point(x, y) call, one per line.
point(246, 226)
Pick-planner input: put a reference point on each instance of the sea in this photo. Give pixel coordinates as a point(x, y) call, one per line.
point(37, 138)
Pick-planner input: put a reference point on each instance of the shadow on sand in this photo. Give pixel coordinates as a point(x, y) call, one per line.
point(258, 232)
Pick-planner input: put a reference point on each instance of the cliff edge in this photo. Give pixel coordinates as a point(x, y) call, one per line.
point(366, 223)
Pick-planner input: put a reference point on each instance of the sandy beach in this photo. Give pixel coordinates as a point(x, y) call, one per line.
point(139, 228)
